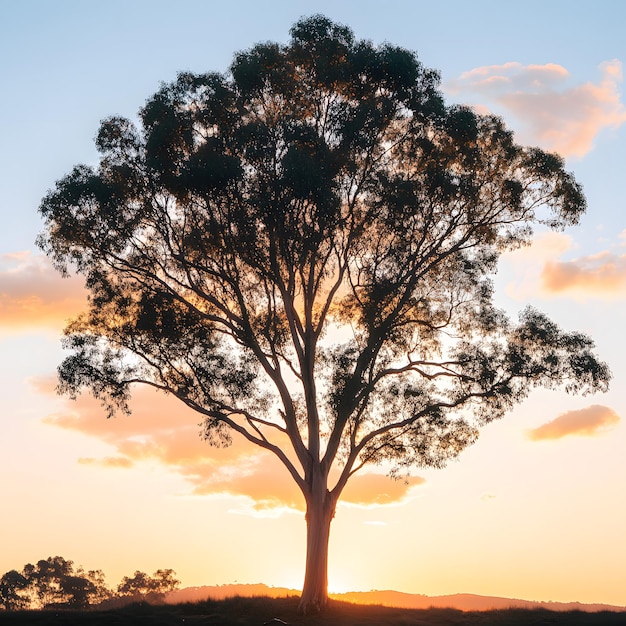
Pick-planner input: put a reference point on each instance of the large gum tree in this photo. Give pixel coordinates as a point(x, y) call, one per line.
point(301, 250)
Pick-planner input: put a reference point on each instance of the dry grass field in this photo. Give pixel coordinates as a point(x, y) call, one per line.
point(279, 611)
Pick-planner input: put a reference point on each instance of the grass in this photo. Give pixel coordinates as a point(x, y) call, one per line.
point(257, 611)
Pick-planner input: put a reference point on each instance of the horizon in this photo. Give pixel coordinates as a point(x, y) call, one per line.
point(378, 594)
point(534, 510)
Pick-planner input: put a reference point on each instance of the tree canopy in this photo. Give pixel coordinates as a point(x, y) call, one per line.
point(301, 250)
point(56, 582)
point(52, 582)
point(141, 586)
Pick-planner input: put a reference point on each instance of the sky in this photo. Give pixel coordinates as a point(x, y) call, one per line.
point(536, 509)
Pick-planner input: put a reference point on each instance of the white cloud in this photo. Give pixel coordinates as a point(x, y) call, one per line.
point(543, 106)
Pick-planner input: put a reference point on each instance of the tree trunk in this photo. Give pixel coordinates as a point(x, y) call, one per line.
point(320, 512)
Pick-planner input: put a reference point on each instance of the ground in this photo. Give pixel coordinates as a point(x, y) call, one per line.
point(258, 611)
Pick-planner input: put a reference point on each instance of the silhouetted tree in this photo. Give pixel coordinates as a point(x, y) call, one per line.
point(47, 579)
point(13, 591)
point(301, 251)
point(52, 582)
point(84, 589)
point(153, 588)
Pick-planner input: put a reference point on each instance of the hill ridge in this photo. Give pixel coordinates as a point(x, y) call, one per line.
point(399, 599)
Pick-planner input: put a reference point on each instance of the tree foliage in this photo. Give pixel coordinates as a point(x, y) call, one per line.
point(13, 591)
point(56, 582)
point(52, 582)
point(301, 250)
point(153, 588)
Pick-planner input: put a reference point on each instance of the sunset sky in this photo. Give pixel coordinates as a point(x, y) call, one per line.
point(535, 510)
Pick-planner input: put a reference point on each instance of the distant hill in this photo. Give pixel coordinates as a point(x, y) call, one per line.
point(459, 601)
point(465, 602)
point(221, 592)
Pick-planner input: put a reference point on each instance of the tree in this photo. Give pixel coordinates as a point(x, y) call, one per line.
point(301, 251)
point(52, 582)
point(153, 588)
point(13, 591)
point(85, 588)
point(47, 580)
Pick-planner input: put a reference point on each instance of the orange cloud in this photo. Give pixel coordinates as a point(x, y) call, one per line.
point(34, 294)
point(367, 489)
point(162, 430)
point(544, 107)
point(109, 461)
point(584, 422)
point(540, 271)
point(602, 274)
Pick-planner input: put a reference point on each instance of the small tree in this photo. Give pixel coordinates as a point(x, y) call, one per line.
point(301, 251)
point(52, 582)
point(48, 578)
point(85, 588)
point(13, 591)
point(153, 588)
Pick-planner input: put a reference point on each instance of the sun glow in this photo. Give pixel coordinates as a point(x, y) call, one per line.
point(339, 583)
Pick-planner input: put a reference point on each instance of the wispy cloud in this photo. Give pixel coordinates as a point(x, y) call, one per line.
point(33, 294)
point(161, 430)
point(540, 270)
point(584, 422)
point(543, 105)
point(108, 461)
